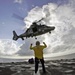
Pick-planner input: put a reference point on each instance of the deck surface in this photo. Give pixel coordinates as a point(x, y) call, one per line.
point(54, 67)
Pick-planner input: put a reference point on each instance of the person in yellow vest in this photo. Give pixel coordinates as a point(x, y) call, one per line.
point(38, 52)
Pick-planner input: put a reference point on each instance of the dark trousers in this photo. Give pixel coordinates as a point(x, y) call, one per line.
point(36, 64)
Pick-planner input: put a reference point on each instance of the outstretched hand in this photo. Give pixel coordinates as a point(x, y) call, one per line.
point(43, 42)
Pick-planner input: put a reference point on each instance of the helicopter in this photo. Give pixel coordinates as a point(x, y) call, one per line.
point(34, 30)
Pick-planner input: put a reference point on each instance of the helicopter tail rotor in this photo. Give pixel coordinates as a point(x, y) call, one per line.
point(15, 36)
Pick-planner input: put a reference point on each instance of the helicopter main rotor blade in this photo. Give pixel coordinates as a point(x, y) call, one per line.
point(18, 17)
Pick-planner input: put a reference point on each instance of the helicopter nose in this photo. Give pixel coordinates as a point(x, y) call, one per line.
point(53, 28)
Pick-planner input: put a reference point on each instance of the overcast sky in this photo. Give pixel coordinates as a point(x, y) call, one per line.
point(58, 13)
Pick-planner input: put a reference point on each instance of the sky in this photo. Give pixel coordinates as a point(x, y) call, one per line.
point(58, 13)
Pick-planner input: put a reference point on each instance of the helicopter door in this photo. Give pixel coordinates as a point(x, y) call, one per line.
point(34, 29)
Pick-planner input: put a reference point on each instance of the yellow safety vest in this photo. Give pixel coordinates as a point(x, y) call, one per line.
point(38, 50)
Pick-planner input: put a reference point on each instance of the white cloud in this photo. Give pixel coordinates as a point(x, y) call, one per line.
point(62, 39)
point(63, 18)
point(8, 47)
point(18, 1)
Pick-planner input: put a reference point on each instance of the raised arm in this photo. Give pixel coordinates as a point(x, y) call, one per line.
point(44, 44)
point(31, 46)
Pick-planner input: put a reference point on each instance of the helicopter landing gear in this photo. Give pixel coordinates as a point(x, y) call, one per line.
point(49, 32)
point(32, 35)
point(35, 37)
point(26, 37)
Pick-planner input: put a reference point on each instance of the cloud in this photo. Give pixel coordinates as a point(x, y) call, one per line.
point(18, 1)
point(8, 47)
point(63, 18)
point(25, 48)
point(61, 40)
